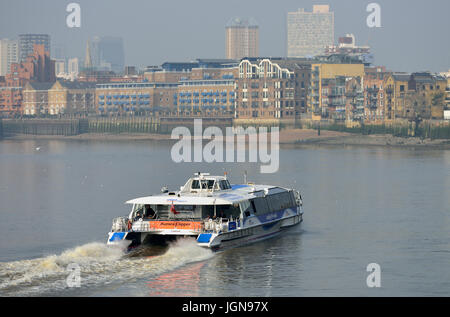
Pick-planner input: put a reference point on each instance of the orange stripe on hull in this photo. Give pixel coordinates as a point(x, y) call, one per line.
point(186, 225)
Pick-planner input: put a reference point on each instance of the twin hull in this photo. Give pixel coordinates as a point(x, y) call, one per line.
point(210, 234)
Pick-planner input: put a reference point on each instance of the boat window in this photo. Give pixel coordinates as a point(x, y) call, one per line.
point(253, 205)
point(137, 207)
point(281, 201)
point(293, 201)
point(195, 184)
point(207, 211)
point(138, 211)
point(261, 205)
point(228, 211)
point(207, 184)
point(246, 208)
point(185, 207)
point(149, 211)
point(225, 184)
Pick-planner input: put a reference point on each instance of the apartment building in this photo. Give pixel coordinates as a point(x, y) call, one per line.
point(416, 95)
point(329, 80)
point(28, 41)
point(9, 54)
point(136, 98)
point(35, 98)
point(374, 93)
point(71, 99)
point(10, 101)
point(271, 90)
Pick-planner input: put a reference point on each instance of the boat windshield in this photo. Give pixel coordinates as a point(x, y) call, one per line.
point(203, 184)
point(221, 211)
point(210, 184)
point(144, 211)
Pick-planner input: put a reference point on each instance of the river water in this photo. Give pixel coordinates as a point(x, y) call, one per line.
point(389, 206)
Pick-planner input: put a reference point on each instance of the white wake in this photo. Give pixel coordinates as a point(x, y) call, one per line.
point(99, 265)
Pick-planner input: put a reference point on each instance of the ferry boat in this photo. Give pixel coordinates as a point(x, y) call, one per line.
point(211, 210)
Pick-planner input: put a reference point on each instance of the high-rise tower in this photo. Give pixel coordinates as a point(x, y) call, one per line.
point(9, 53)
point(108, 53)
point(242, 38)
point(27, 42)
point(309, 33)
point(87, 59)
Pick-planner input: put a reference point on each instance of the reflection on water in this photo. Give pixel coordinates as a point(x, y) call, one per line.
point(362, 205)
point(182, 282)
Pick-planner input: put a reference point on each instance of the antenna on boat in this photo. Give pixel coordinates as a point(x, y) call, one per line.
point(245, 177)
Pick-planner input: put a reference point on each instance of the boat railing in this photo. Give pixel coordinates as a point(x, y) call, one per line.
point(119, 224)
point(220, 225)
point(298, 198)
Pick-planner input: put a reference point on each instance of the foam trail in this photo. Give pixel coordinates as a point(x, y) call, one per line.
point(99, 265)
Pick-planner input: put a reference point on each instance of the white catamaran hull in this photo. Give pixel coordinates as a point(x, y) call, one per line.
point(219, 215)
point(253, 233)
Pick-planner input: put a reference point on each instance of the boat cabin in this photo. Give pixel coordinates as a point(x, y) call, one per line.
point(210, 197)
point(205, 183)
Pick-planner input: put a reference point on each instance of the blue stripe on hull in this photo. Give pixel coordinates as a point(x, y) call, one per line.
point(117, 236)
point(261, 235)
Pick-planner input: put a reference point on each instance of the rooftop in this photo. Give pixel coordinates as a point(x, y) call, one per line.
point(238, 22)
point(40, 86)
point(76, 84)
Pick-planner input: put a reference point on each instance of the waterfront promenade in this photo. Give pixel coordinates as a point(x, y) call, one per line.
point(303, 133)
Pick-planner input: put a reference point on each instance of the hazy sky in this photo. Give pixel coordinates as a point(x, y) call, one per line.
point(414, 35)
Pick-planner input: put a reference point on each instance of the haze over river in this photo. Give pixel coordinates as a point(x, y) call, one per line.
point(389, 206)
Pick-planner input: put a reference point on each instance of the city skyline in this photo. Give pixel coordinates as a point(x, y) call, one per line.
point(403, 43)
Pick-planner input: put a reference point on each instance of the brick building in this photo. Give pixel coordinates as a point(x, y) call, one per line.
point(113, 99)
point(322, 76)
point(271, 90)
point(71, 98)
point(374, 93)
point(166, 76)
point(38, 67)
point(27, 43)
point(10, 101)
point(416, 95)
point(206, 97)
point(35, 98)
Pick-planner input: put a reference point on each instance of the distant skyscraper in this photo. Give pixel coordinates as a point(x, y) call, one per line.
point(242, 38)
point(87, 58)
point(60, 67)
point(308, 33)
point(9, 53)
point(27, 41)
point(73, 67)
point(107, 53)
